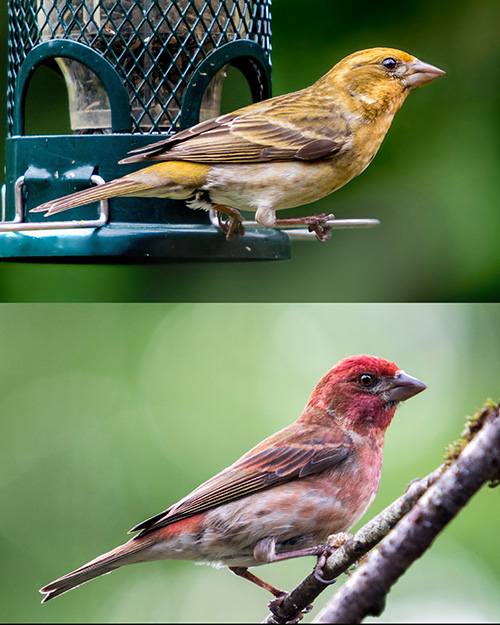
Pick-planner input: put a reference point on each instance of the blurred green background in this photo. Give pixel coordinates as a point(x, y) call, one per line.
point(433, 185)
point(112, 412)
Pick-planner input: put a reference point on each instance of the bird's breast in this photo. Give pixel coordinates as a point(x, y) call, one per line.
point(368, 139)
point(277, 184)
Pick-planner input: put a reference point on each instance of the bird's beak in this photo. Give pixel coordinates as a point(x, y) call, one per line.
point(420, 73)
point(404, 386)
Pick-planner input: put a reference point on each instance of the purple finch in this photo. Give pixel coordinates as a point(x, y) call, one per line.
point(284, 497)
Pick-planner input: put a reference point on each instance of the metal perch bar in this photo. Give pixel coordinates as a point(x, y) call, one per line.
point(302, 234)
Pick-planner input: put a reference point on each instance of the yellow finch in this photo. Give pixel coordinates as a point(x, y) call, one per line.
point(279, 153)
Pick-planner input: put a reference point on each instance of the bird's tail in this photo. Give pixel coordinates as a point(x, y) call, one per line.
point(177, 180)
point(132, 551)
point(115, 188)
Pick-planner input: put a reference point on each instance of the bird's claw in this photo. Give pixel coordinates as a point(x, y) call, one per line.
point(335, 541)
point(323, 233)
point(236, 229)
point(232, 227)
point(318, 567)
point(275, 606)
point(317, 225)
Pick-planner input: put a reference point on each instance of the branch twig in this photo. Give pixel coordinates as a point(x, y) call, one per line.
point(365, 592)
point(352, 550)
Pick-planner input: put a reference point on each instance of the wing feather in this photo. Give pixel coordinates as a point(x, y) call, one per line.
point(278, 129)
point(260, 469)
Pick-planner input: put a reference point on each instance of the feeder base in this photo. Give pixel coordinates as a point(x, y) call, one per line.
point(142, 243)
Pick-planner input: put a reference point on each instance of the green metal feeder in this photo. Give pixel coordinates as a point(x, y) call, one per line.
point(133, 68)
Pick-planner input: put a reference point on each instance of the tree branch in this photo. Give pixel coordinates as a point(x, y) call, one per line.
point(477, 462)
point(352, 550)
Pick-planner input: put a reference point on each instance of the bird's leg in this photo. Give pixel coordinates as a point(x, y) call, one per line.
point(233, 227)
point(242, 571)
point(315, 223)
point(265, 551)
point(275, 604)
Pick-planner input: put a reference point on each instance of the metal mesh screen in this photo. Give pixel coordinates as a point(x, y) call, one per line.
point(155, 45)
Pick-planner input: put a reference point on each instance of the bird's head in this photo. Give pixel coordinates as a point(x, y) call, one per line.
point(380, 78)
point(361, 393)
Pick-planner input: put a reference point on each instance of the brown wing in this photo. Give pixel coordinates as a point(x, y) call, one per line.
point(266, 466)
point(279, 129)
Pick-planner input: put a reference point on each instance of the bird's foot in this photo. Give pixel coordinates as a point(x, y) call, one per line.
point(323, 233)
point(335, 541)
point(319, 566)
point(315, 223)
point(232, 227)
point(275, 606)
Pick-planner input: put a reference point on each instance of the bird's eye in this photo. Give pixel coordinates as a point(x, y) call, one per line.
point(366, 380)
point(389, 63)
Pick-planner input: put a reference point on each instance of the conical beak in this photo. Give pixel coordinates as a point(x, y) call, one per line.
point(420, 73)
point(404, 386)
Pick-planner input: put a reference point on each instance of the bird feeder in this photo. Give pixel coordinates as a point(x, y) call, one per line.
point(132, 68)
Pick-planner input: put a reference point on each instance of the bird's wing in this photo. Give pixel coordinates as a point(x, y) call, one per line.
point(281, 130)
point(271, 463)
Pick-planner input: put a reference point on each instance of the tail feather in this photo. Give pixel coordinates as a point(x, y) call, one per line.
point(115, 188)
point(125, 554)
